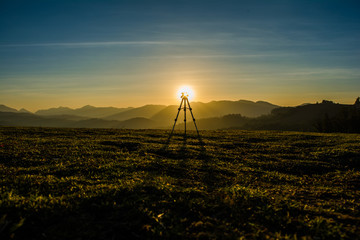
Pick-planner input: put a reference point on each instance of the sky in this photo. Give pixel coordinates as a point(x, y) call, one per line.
point(135, 52)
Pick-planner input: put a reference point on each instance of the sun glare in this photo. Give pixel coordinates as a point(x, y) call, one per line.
point(187, 90)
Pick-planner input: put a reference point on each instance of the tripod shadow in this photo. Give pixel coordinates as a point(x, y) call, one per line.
point(205, 165)
point(208, 166)
point(183, 150)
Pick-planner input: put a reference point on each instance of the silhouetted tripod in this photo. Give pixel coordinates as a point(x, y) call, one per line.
point(185, 100)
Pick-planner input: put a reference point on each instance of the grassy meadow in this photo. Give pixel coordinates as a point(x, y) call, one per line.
point(133, 184)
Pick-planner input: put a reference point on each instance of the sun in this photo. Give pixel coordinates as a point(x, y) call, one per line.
point(185, 89)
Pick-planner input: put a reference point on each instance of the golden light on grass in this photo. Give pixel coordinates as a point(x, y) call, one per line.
point(185, 89)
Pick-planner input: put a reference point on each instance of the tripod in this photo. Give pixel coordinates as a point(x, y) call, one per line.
point(185, 100)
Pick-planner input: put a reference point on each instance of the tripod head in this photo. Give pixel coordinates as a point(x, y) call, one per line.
point(184, 95)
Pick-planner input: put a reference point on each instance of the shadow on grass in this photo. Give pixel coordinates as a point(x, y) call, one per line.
point(193, 159)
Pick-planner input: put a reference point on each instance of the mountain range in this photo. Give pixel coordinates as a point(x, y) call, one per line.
point(320, 117)
point(326, 116)
point(148, 116)
point(86, 111)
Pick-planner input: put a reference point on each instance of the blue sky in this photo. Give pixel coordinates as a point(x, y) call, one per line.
point(131, 53)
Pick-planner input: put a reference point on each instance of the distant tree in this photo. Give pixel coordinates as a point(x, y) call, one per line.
point(327, 102)
point(347, 121)
point(357, 103)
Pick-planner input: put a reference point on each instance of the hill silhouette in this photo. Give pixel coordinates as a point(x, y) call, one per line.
point(324, 117)
point(146, 111)
point(301, 118)
point(69, 121)
point(86, 111)
point(23, 110)
point(4, 108)
point(216, 109)
point(29, 119)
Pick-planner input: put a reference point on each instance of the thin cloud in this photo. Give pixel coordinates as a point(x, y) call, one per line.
point(87, 44)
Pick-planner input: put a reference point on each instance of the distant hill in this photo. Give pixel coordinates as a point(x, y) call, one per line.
point(215, 123)
point(86, 111)
point(146, 111)
point(301, 118)
point(65, 117)
point(324, 117)
point(70, 121)
point(134, 123)
point(4, 108)
point(23, 110)
point(55, 111)
point(31, 120)
point(138, 123)
point(94, 123)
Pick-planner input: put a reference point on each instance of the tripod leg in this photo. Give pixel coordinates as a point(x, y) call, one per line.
point(177, 115)
point(192, 115)
point(185, 115)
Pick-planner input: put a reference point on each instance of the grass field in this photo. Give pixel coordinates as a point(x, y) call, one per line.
point(132, 184)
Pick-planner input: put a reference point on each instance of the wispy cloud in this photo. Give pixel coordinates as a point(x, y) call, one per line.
point(208, 56)
point(86, 44)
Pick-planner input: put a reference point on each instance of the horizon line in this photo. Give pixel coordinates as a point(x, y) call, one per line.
point(88, 105)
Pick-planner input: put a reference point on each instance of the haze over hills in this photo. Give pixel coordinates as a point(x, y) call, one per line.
point(159, 112)
point(217, 109)
point(146, 111)
point(4, 108)
point(32, 120)
point(326, 116)
point(148, 116)
point(323, 117)
point(86, 111)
